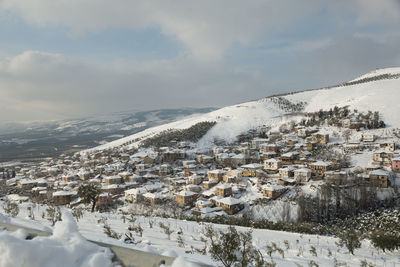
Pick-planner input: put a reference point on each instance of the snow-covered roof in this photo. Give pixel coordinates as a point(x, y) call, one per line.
point(273, 187)
point(252, 166)
point(379, 172)
point(230, 201)
point(135, 191)
point(273, 160)
point(303, 170)
point(223, 186)
point(63, 193)
point(186, 193)
point(322, 163)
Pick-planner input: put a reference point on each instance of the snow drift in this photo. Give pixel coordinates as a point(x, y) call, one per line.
point(66, 247)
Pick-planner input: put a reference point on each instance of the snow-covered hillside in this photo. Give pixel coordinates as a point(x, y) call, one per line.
point(376, 91)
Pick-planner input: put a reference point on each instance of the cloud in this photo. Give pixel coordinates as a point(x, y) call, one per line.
point(37, 85)
point(207, 28)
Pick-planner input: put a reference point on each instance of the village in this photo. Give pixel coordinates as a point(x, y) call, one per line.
point(222, 181)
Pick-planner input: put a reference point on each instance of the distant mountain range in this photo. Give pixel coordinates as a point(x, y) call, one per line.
point(47, 139)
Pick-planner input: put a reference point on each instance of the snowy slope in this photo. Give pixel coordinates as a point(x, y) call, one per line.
point(66, 245)
point(381, 94)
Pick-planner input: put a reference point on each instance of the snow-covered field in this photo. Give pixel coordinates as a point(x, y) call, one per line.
point(66, 242)
point(381, 95)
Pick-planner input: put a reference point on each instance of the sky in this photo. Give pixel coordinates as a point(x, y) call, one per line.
point(67, 58)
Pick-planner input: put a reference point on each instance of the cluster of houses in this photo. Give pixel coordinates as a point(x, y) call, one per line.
point(204, 182)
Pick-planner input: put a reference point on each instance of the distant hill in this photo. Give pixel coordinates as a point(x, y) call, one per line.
point(378, 90)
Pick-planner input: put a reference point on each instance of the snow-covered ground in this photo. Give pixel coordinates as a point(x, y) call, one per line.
point(67, 243)
point(380, 95)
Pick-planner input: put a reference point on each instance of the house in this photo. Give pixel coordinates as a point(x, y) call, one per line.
point(172, 156)
point(310, 146)
point(379, 178)
point(268, 155)
point(273, 191)
point(269, 148)
point(286, 172)
point(184, 197)
point(104, 198)
point(320, 167)
point(239, 159)
point(319, 138)
point(208, 194)
point(201, 204)
point(194, 179)
point(230, 205)
point(367, 137)
point(289, 157)
point(371, 168)
point(396, 164)
point(286, 181)
point(109, 180)
point(193, 188)
point(204, 159)
point(223, 190)
point(69, 178)
point(216, 175)
point(251, 169)
point(255, 143)
point(84, 175)
point(27, 184)
point(229, 179)
point(389, 146)
point(209, 184)
point(62, 197)
point(302, 174)
point(206, 211)
point(113, 189)
point(153, 198)
point(165, 169)
point(179, 182)
point(272, 164)
point(382, 158)
point(135, 195)
point(336, 177)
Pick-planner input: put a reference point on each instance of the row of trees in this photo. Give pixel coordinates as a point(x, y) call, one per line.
point(191, 134)
point(335, 117)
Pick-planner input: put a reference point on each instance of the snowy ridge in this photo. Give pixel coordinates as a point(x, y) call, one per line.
point(375, 94)
point(379, 72)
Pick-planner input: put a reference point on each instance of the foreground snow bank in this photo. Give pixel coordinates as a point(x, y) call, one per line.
point(66, 247)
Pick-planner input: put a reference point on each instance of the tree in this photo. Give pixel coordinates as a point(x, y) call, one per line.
point(233, 248)
point(346, 135)
point(350, 239)
point(89, 193)
point(53, 214)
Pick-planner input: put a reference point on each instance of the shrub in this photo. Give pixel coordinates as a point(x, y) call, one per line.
point(385, 240)
point(11, 208)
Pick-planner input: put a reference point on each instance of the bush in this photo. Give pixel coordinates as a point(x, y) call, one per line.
point(11, 208)
point(385, 240)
